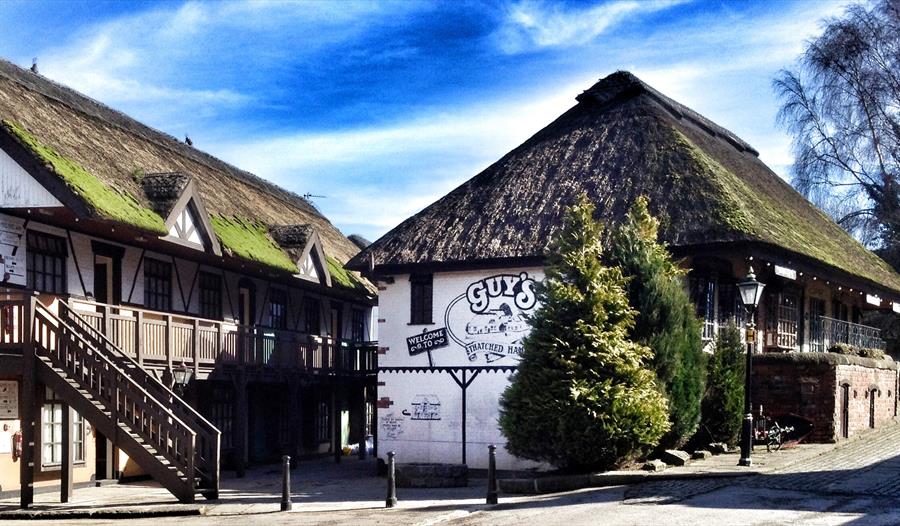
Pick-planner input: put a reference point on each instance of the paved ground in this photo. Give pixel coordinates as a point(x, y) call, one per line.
point(855, 483)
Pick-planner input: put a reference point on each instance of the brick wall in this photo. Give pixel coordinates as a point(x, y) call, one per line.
point(811, 385)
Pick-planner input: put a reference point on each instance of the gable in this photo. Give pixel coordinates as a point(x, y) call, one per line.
point(18, 189)
point(311, 264)
point(188, 223)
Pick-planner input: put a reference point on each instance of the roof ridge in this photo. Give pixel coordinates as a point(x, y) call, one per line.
point(624, 84)
point(38, 83)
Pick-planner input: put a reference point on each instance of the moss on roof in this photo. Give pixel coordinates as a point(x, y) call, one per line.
point(106, 202)
point(343, 277)
point(758, 214)
point(250, 240)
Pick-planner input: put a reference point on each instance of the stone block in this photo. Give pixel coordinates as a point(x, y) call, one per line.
point(654, 465)
point(425, 475)
point(718, 448)
point(701, 454)
point(674, 457)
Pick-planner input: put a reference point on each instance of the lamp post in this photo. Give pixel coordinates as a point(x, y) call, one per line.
point(181, 374)
point(751, 291)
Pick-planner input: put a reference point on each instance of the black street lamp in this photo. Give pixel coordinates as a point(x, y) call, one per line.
point(751, 291)
point(181, 374)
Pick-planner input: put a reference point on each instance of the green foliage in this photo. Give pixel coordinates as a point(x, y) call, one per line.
point(342, 277)
point(665, 321)
point(250, 240)
point(583, 397)
point(723, 401)
point(106, 202)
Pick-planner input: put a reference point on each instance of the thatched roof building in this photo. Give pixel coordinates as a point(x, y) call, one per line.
point(621, 140)
point(108, 167)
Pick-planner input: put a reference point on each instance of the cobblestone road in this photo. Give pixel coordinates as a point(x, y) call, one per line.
point(867, 466)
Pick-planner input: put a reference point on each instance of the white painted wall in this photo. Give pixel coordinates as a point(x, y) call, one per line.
point(18, 189)
point(421, 438)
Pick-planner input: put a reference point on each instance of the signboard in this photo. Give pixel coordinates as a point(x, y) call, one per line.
point(12, 250)
point(785, 272)
point(490, 320)
point(427, 341)
point(9, 400)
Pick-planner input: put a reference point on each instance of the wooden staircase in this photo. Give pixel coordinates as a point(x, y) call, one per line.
point(141, 416)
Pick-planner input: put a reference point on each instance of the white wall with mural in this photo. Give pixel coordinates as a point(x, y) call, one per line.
point(479, 321)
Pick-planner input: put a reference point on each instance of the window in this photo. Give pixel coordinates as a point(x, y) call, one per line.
point(731, 308)
point(222, 415)
point(322, 429)
point(358, 325)
point(783, 320)
point(420, 299)
point(311, 311)
point(46, 262)
point(51, 432)
point(277, 309)
point(157, 285)
point(210, 295)
point(703, 294)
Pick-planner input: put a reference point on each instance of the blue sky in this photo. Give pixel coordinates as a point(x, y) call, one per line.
point(382, 107)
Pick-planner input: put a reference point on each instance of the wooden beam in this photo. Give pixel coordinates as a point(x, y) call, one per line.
point(28, 404)
point(65, 474)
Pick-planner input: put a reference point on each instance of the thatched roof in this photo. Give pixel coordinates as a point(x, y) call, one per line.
point(67, 129)
point(163, 190)
point(621, 140)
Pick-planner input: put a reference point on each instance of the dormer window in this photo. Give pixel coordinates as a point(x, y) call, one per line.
point(302, 244)
point(176, 197)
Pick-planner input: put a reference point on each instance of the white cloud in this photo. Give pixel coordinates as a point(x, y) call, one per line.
point(374, 178)
point(532, 24)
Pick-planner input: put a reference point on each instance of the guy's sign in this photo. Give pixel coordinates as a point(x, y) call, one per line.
point(491, 318)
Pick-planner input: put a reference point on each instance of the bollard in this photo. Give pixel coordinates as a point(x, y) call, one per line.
point(492, 475)
point(361, 451)
point(392, 486)
point(286, 484)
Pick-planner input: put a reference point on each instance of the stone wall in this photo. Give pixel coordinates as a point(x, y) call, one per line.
point(810, 385)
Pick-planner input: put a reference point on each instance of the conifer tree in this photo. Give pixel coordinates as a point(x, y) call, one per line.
point(723, 401)
point(666, 319)
point(583, 397)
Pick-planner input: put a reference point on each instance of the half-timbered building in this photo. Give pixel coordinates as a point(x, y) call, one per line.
point(456, 280)
point(161, 310)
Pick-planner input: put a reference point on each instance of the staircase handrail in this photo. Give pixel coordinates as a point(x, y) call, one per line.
point(208, 458)
point(162, 412)
point(119, 354)
point(52, 317)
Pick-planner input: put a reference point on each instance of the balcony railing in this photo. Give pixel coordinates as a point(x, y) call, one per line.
point(158, 338)
point(825, 332)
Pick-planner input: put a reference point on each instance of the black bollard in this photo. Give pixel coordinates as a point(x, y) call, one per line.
point(392, 486)
point(286, 484)
point(361, 451)
point(492, 475)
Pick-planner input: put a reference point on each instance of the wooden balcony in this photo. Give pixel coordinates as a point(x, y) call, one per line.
point(158, 340)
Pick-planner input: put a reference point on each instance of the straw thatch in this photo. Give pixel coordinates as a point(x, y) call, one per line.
point(118, 151)
point(624, 139)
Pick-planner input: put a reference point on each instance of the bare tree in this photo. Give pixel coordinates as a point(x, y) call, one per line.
point(842, 106)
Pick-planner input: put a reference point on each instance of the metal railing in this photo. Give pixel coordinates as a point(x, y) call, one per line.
point(825, 332)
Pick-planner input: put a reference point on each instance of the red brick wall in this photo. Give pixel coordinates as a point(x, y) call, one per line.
point(809, 385)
